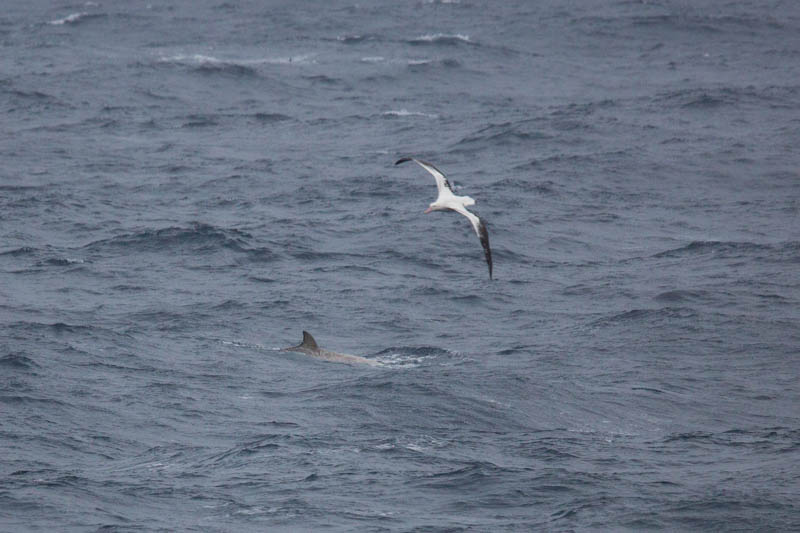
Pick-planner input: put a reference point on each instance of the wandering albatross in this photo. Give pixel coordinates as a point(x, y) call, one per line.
point(447, 200)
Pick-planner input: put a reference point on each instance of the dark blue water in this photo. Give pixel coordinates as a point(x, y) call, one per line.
point(185, 186)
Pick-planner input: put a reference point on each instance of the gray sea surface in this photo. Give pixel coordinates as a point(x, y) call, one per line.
point(186, 186)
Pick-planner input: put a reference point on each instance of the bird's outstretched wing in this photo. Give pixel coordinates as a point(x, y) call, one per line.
point(483, 234)
point(441, 181)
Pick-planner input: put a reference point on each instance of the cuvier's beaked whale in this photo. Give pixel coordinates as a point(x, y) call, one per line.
point(309, 347)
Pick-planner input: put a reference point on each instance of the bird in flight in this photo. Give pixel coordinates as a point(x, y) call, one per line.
point(449, 201)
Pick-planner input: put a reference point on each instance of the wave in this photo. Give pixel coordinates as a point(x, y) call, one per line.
point(422, 64)
point(43, 257)
point(415, 260)
point(57, 331)
point(188, 317)
point(30, 99)
point(269, 117)
point(312, 256)
point(205, 120)
point(240, 68)
point(17, 360)
point(195, 121)
point(76, 18)
point(779, 439)
point(539, 186)
point(355, 38)
point(321, 79)
point(62, 327)
point(407, 113)
point(647, 316)
point(702, 98)
point(705, 23)
point(57, 327)
point(211, 64)
point(683, 295)
point(410, 356)
point(200, 237)
point(417, 351)
point(440, 39)
point(39, 403)
point(242, 454)
point(728, 249)
point(506, 133)
point(59, 261)
point(25, 250)
point(31, 95)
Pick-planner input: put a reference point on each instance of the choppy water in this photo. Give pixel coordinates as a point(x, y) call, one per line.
point(186, 186)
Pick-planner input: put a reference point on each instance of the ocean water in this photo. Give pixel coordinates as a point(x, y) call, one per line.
point(186, 186)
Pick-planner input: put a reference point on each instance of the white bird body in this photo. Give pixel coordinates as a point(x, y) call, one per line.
point(447, 200)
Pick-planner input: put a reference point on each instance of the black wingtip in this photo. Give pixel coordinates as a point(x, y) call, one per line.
point(487, 250)
point(403, 160)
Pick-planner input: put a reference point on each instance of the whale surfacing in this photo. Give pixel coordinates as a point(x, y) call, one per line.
point(309, 347)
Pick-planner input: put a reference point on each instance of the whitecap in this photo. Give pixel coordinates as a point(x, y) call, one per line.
point(407, 113)
point(181, 58)
point(442, 37)
point(201, 59)
point(243, 344)
point(303, 59)
point(400, 360)
point(351, 38)
point(69, 19)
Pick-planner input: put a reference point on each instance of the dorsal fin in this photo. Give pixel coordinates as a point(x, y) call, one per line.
point(308, 341)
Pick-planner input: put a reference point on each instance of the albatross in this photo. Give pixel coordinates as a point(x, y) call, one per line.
point(449, 201)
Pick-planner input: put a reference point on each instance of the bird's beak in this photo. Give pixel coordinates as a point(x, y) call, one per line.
point(428, 210)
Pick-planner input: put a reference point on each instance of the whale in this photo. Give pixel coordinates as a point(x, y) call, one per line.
point(309, 347)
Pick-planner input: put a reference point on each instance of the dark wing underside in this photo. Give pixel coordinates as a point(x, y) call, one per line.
point(483, 234)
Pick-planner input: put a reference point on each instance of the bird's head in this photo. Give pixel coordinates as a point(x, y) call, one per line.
point(433, 207)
